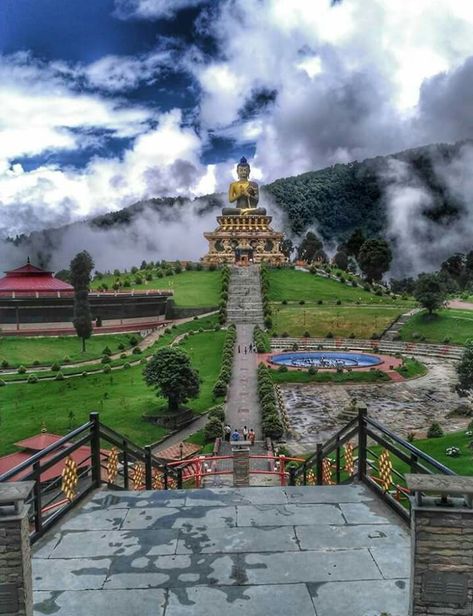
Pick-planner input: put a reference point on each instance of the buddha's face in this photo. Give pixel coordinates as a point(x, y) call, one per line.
point(243, 172)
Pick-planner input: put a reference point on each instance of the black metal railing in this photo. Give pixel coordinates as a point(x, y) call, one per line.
point(366, 450)
point(83, 460)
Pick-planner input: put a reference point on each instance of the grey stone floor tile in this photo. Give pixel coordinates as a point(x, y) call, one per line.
point(343, 537)
point(361, 598)
point(70, 574)
point(144, 498)
point(284, 515)
point(102, 519)
point(309, 566)
point(148, 602)
point(172, 571)
point(394, 562)
point(365, 513)
point(282, 600)
point(243, 496)
point(187, 517)
point(355, 493)
point(230, 540)
point(90, 544)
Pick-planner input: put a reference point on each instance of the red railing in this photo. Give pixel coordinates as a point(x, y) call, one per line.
point(207, 466)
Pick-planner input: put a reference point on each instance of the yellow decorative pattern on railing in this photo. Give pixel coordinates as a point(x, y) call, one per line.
point(69, 479)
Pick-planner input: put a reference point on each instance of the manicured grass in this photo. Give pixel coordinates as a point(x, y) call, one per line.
point(191, 289)
point(47, 350)
point(342, 321)
point(121, 398)
point(411, 368)
point(198, 438)
point(453, 325)
point(296, 376)
point(436, 448)
point(294, 285)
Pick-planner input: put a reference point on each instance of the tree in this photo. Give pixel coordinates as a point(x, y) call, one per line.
point(341, 259)
point(465, 370)
point(309, 246)
point(374, 259)
point(81, 268)
point(430, 292)
point(171, 374)
point(64, 275)
point(287, 248)
point(354, 243)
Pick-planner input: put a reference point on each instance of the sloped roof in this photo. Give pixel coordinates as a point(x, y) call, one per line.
point(31, 278)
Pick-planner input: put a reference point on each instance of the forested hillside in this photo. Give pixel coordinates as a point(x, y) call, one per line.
point(340, 198)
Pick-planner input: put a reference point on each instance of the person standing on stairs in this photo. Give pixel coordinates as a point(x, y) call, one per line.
point(252, 437)
point(245, 433)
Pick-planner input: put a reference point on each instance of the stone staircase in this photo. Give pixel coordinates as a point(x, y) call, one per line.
point(394, 329)
point(244, 296)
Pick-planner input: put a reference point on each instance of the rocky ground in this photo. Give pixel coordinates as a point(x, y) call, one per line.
point(410, 406)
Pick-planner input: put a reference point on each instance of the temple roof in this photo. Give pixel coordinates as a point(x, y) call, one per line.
point(28, 277)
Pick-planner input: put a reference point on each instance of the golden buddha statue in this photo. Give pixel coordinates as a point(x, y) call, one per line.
point(244, 192)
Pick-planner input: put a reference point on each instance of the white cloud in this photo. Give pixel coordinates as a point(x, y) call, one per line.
point(152, 9)
point(122, 73)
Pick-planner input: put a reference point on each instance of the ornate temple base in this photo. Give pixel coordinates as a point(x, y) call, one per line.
point(244, 239)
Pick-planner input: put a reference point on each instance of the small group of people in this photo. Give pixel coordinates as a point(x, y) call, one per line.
point(237, 435)
point(251, 348)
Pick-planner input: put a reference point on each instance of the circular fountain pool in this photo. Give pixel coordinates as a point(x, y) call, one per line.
point(325, 359)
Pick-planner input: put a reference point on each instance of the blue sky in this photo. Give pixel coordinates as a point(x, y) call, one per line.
point(105, 102)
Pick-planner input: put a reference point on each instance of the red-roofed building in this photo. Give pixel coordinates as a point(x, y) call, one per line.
point(31, 280)
point(31, 295)
point(37, 443)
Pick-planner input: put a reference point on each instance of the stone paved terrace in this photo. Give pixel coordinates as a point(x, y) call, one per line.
point(313, 551)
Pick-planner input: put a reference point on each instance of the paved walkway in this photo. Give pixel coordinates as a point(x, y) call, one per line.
point(313, 551)
point(460, 304)
point(242, 407)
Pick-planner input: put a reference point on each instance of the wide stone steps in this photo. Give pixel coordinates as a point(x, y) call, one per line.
point(244, 303)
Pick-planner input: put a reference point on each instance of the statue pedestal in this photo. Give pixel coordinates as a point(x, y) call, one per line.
point(244, 239)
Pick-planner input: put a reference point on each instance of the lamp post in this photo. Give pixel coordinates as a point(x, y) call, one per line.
point(181, 449)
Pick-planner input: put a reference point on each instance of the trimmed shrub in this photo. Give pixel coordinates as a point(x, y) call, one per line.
point(107, 369)
point(435, 430)
point(123, 356)
point(107, 351)
point(105, 359)
point(66, 359)
point(219, 389)
point(126, 366)
point(59, 376)
point(213, 429)
point(329, 335)
point(32, 379)
point(2, 383)
point(55, 367)
point(218, 413)
point(137, 351)
point(4, 364)
point(21, 370)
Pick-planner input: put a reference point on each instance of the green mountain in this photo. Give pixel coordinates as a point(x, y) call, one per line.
point(340, 198)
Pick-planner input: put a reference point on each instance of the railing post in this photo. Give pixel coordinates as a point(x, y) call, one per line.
point(362, 444)
point(304, 475)
point(413, 463)
point(292, 476)
point(148, 468)
point(126, 481)
point(38, 520)
point(165, 477)
point(179, 478)
point(95, 449)
point(282, 470)
point(319, 463)
point(337, 461)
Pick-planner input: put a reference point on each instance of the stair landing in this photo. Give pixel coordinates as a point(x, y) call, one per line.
point(313, 551)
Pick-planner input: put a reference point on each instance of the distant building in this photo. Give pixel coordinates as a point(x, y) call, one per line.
point(29, 294)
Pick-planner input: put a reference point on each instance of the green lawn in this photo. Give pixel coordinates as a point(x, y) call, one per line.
point(18, 350)
point(342, 321)
point(294, 285)
point(191, 289)
point(454, 326)
point(436, 448)
point(294, 376)
point(121, 398)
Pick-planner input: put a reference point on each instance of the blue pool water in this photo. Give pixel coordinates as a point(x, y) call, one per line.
point(325, 359)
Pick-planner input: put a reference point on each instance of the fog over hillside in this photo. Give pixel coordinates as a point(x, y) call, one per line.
point(421, 200)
